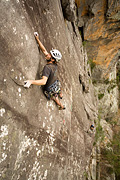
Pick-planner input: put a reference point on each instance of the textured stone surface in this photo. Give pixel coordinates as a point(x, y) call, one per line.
point(38, 141)
point(101, 28)
point(108, 104)
point(68, 7)
point(99, 25)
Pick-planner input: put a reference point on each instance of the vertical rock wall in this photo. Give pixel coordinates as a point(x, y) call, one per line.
point(99, 24)
point(37, 140)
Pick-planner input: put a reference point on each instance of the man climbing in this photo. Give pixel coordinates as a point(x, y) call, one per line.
point(91, 130)
point(49, 75)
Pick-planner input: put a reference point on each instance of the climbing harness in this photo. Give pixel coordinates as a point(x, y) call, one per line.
point(53, 89)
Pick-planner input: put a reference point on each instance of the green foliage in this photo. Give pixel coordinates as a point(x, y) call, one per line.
point(100, 112)
point(106, 81)
point(85, 174)
point(110, 121)
point(99, 133)
point(90, 81)
point(84, 43)
point(118, 79)
point(112, 154)
point(92, 64)
point(100, 96)
point(118, 75)
point(94, 81)
point(80, 33)
point(119, 103)
point(112, 85)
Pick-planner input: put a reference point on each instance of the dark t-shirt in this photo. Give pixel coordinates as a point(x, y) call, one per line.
point(50, 71)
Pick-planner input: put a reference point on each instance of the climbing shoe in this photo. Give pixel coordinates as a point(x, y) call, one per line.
point(60, 108)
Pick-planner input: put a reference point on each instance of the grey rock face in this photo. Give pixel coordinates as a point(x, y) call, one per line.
point(113, 11)
point(37, 140)
point(68, 7)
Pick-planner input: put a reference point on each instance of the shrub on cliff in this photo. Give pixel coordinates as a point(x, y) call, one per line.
point(112, 155)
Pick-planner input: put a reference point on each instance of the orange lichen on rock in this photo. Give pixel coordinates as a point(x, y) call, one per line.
point(82, 3)
point(107, 52)
point(94, 33)
point(85, 11)
point(108, 62)
point(95, 28)
point(102, 30)
point(78, 3)
point(106, 75)
point(97, 62)
point(114, 10)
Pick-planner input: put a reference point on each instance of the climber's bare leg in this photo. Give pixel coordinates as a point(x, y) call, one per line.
point(60, 94)
point(56, 99)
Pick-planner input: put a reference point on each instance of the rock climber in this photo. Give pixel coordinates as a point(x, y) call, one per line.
point(91, 129)
point(50, 82)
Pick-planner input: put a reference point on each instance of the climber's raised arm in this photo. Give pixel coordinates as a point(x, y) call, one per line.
point(43, 49)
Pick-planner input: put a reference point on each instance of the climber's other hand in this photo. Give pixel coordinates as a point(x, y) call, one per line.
point(27, 83)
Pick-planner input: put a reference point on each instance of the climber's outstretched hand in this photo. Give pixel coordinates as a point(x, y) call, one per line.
point(27, 83)
point(36, 34)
